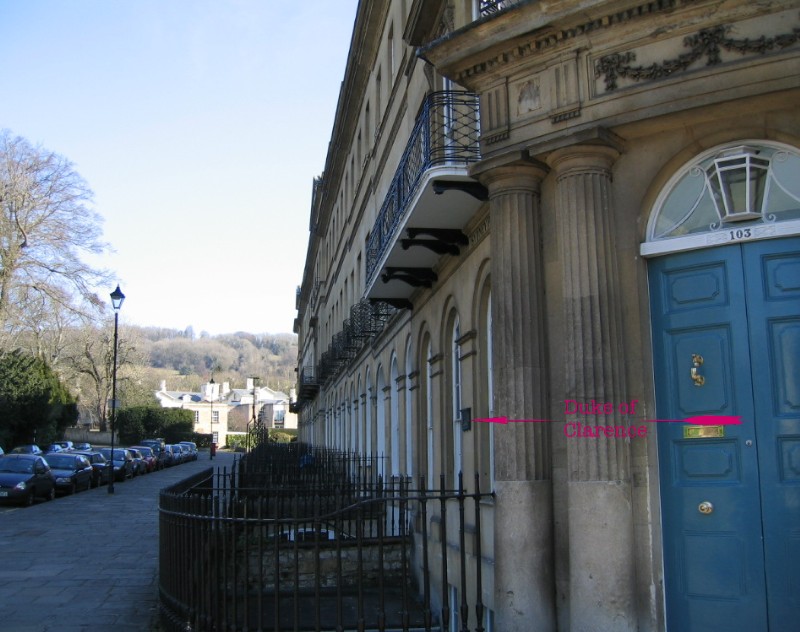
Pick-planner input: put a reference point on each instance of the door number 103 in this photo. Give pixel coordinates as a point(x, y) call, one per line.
point(741, 233)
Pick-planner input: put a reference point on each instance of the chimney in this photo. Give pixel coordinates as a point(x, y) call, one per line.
point(210, 391)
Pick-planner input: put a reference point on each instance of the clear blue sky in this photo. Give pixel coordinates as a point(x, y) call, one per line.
point(199, 125)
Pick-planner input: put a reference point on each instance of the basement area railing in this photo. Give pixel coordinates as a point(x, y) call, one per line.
point(303, 539)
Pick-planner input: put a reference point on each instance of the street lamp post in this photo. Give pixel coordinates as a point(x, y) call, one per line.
point(251, 442)
point(211, 422)
point(117, 297)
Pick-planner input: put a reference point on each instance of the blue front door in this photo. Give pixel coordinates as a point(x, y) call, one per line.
point(726, 341)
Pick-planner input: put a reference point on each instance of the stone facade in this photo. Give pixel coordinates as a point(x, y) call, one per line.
point(588, 113)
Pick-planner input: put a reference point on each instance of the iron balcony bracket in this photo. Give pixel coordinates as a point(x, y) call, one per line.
point(475, 189)
point(439, 247)
point(415, 277)
point(445, 235)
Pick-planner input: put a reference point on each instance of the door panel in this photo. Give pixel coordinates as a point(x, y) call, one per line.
point(714, 562)
point(772, 279)
point(737, 567)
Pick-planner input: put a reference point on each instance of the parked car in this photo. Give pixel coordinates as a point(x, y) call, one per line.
point(53, 447)
point(149, 457)
point(30, 448)
point(67, 445)
point(99, 464)
point(24, 477)
point(167, 458)
point(176, 452)
point(310, 534)
point(73, 472)
point(83, 446)
point(158, 443)
point(158, 446)
point(122, 463)
point(192, 449)
point(139, 466)
point(186, 451)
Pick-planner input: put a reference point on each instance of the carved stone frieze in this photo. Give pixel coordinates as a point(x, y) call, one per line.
point(529, 97)
point(481, 230)
point(707, 43)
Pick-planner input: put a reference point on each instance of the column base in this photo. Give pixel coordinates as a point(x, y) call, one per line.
point(601, 557)
point(523, 549)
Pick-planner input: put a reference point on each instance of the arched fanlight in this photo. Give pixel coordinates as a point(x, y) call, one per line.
point(750, 190)
point(738, 178)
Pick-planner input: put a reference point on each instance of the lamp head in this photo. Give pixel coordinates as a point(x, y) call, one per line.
point(117, 297)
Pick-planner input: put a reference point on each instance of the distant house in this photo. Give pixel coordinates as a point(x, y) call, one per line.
point(272, 407)
point(220, 410)
point(210, 407)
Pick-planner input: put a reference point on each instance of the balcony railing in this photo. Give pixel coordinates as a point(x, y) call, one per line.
point(490, 7)
point(366, 321)
point(445, 134)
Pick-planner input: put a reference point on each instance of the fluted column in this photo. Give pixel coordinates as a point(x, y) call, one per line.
point(523, 548)
point(601, 577)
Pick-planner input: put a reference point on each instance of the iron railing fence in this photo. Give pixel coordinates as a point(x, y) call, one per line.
point(302, 466)
point(232, 560)
point(446, 132)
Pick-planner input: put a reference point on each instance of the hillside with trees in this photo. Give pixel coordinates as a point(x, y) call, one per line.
point(187, 361)
point(82, 357)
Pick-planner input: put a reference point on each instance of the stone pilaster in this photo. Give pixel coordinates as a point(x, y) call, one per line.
point(601, 577)
point(524, 590)
point(363, 448)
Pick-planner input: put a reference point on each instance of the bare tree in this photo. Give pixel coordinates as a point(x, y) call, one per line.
point(46, 226)
point(89, 359)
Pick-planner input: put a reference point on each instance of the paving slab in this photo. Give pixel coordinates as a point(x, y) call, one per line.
point(88, 560)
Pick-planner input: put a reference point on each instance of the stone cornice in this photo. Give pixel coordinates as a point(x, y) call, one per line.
point(369, 20)
point(527, 30)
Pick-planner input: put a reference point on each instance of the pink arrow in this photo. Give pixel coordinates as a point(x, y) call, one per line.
point(698, 420)
point(705, 420)
point(506, 420)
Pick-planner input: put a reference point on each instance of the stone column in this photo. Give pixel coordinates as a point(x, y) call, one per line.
point(601, 562)
point(523, 547)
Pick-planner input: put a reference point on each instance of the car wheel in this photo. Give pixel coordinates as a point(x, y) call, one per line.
point(30, 498)
point(74, 487)
point(51, 495)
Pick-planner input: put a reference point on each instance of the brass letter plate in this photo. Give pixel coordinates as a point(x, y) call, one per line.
point(703, 432)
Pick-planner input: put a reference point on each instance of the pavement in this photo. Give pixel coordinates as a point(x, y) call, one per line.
point(88, 561)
